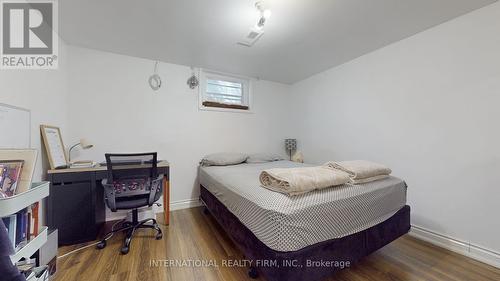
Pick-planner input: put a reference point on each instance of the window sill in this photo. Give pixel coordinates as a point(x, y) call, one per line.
point(220, 109)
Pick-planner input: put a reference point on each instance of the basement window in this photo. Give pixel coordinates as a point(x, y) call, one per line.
point(224, 92)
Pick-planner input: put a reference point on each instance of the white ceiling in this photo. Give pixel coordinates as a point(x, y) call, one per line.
point(302, 37)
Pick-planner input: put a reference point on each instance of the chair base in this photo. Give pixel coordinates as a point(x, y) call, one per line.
point(130, 228)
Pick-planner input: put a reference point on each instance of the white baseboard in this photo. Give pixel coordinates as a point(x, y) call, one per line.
point(464, 248)
point(175, 205)
point(184, 204)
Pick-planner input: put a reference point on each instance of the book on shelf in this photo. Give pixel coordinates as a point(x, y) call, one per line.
point(10, 224)
point(34, 219)
point(26, 265)
point(37, 273)
point(22, 226)
point(30, 270)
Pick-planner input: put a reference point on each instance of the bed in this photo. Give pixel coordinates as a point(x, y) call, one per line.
point(305, 237)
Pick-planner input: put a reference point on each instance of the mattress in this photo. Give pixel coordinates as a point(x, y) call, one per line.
point(289, 223)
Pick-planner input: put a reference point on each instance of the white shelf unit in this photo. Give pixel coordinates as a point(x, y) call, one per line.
point(16, 203)
point(31, 247)
point(41, 278)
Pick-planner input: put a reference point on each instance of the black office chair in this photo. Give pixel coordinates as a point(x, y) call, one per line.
point(131, 189)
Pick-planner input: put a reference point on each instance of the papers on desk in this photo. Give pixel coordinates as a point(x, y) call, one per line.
point(82, 164)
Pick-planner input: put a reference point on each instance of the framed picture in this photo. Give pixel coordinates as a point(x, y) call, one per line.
point(10, 174)
point(28, 158)
point(54, 146)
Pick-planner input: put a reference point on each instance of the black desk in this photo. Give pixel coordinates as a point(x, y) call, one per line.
point(76, 204)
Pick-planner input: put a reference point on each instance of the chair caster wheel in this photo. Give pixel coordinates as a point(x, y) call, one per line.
point(205, 211)
point(101, 245)
point(252, 273)
point(159, 236)
point(125, 250)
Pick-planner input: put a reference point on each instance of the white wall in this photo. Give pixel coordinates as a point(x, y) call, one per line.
point(112, 105)
point(426, 106)
point(44, 92)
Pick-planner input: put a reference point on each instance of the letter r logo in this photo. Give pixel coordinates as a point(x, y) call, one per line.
point(27, 28)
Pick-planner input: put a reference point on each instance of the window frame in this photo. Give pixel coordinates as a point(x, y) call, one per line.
point(246, 83)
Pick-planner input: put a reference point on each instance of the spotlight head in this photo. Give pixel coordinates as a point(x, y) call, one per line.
point(267, 14)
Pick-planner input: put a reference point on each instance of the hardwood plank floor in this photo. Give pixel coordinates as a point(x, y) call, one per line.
point(193, 236)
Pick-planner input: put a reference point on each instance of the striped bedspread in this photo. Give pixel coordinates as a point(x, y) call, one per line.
point(289, 223)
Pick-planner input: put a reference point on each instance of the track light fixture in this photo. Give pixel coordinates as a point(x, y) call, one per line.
point(264, 14)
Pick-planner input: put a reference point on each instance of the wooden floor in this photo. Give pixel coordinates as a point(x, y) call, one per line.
point(194, 236)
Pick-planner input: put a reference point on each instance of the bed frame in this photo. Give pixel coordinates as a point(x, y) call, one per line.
point(305, 264)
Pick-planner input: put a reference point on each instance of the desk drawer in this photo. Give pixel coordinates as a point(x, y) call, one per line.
point(70, 177)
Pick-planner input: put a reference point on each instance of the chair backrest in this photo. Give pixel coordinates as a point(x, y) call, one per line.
point(116, 163)
point(131, 176)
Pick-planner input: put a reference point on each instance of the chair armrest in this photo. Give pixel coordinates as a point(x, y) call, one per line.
point(109, 191)
point(156, 189)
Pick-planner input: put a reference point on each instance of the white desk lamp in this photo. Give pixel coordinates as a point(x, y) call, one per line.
point(84, 144)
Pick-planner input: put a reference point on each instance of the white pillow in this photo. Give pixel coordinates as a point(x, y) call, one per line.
point(223, 159)
point(263, 158)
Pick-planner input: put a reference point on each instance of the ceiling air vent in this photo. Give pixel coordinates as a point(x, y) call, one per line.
point(251, 37)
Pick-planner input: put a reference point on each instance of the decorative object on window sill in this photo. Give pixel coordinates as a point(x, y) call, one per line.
point(298, 157)
point(155, 79)
point(224, 105)
point(83, 143)
point(193, 81)
point(290, 145)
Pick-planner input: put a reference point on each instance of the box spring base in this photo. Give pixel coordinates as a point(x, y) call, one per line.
point(305, 264)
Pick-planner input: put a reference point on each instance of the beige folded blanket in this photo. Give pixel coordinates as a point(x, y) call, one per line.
point(361, 171)
point(295, 181)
